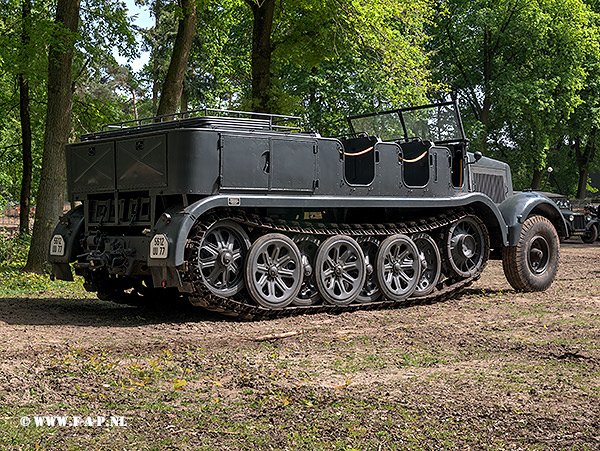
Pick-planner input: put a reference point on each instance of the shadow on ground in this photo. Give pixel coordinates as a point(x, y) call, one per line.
point(92, 312)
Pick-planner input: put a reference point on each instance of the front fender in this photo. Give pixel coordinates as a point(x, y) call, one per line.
point(591, 223)
point(517, 208)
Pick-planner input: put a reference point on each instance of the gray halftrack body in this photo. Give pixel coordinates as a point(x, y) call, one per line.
point(245, 214)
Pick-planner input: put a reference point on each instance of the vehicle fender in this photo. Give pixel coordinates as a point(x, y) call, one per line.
point(175, 224)
point(70, 227)
point(517, 208)
point(591, 223)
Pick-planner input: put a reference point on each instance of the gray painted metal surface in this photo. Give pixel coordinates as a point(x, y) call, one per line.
point(157, 180)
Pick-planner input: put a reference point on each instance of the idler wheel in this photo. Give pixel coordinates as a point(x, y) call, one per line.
point(274, 271)
point(221, 256)
point(340, 270)
point(467, 246)
point(431, 264)
point(398, 267)
point(370, 291)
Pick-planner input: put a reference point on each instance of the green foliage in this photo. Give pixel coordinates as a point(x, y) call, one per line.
point(520, 69)
point(14, 282)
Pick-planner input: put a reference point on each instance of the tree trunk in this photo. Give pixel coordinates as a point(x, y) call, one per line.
point(185, 95)
point(173, 86)
point(25, 198)
point(583, 161)
point(155, 67)
point(536, 181)
point(261, 54)
point(51, 192)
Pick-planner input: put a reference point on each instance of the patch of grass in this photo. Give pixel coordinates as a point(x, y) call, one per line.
point(14, 282)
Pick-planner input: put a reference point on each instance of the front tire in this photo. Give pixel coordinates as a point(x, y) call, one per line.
point(531, 265)
point(590, 235)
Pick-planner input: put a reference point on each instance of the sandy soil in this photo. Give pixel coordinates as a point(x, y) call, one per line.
point(491, 369)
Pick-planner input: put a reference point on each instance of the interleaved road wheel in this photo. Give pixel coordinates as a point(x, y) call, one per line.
point(221, 258)
point(531, 265)
point(274, 271)
point(340, 270)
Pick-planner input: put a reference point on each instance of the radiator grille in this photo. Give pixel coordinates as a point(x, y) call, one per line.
point(579, 222)
point(491, 184)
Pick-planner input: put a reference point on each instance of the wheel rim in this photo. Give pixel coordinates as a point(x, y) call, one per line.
point(591, 234)
point(274, 271)
point(538, 256)
point(221, 258)
point(466, 244)
point(370, 291)
point(340, 270)
point(430, 264)
point(309, 292)
point(398, 267)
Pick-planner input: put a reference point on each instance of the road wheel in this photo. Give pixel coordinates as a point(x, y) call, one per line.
point(398, 267)
point(591, 234)
point(274, 271)
point(370, 291)
point(308, 246)
point(531, 265)
point(221, 256)
point(431, 264)
point(341, 271)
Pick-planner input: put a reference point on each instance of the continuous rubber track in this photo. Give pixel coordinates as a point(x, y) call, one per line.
point(241, 304)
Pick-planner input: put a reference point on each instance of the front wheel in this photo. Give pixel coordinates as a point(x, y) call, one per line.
point(590, 234)
point(531, 265)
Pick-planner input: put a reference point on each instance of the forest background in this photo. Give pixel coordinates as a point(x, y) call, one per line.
point(526, 74)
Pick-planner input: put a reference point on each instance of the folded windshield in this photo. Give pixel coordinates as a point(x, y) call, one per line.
point(439, 123)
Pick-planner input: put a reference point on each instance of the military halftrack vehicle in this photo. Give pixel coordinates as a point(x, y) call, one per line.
point(245, 214)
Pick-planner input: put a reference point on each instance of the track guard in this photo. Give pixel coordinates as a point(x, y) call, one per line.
point(69, 228)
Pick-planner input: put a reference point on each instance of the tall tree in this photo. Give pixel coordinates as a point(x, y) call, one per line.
point(173, 85)
point(24, 109)
point(52, 188)
point(519, 66)
point(262, 26)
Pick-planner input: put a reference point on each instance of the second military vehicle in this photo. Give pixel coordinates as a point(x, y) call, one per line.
point(246, 214)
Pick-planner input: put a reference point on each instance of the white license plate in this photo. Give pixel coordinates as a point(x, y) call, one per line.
point(57, 246)
point(159, 246)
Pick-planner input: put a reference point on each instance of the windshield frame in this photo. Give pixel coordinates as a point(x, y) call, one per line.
point(400, 114)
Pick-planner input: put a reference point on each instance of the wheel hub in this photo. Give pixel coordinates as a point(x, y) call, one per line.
point(339, 270)
point(538, 257)
point(273, 272)
point(467, 245)
point(226, 257)
point(397, 267)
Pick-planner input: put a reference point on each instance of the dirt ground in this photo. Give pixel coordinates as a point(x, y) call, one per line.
point(491, 369)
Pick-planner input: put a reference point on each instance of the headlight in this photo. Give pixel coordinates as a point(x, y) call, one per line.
point(588, 218)
point(572, 218)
